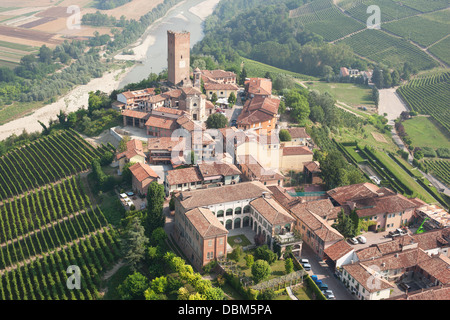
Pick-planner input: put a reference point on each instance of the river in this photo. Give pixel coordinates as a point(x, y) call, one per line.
point(151, 50)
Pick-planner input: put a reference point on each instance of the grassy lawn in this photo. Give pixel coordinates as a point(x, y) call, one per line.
point(354, 95)
point(240, 240)
point(424, 133)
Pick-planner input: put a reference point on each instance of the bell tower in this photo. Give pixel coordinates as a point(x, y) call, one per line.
point(178, 57)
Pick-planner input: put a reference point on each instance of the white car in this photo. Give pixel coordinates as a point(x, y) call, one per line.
point(353, 241)
point(362, 239)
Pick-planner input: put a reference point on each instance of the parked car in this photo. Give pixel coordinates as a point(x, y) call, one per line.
point(405, 286)
point(307, 266)
point(314, 278)
point(397, 232)
point(325, 292)
point(330, 296)
point(233, 123)
point(323, 286)
point(318, 283)
point(303, 261)
point(361, 239)
point(353, 240)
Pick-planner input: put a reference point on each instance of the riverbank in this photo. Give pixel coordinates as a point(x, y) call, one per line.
point(77, 98)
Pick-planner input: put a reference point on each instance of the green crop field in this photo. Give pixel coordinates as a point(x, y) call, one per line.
point(383, 48)
point(440, 169)
point(322, 17)
point(442, 50)
point(429, 94)
point(424, 5)
point(419, 29)
point(390, 10)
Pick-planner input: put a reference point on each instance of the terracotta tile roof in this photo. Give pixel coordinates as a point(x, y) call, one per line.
point(305, 213)
point(398, 260)
point(134, 148)
point(271, 211)
point(137, 93)
point(142, 171)
point(380, 205)
point(298, 133)
point(258, 110)
point(157, 98)
point(218, 169)
point(174, 93)
point(365, 276)
point(163, 123)
point(220, 86)
point(323, 208)
point(259, 86)
point(438, 267)
point(355, 191)
point(217, 74)
point(170, 111)
point(184, 175)
point(338, 250)
point(191, 91)
point(256, 170)
point(344, 72)
point(228, 193)
point(166, 143)
point(296, 151)
point(433, 294)
point(312, 166)
point(205, 223)
point(433, 239)
point(135, 114)
point(281, 196)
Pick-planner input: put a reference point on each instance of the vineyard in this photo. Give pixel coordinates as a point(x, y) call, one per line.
point(383, 48)
point(442, 50)
point(429, 94)
point(440, 169)
point(418, 29)
point(322, 17)
point(47, 222)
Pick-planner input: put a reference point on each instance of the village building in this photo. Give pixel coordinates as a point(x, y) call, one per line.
point(204, 175)
point(252, 170)
point(141, 177)
point(200, 236)
point(166, 150)
point(293, 158)
point(134, 154)
point(133, 99)
point(259, 114)
point(258, 87)
point(299, 137)
point(385, 208)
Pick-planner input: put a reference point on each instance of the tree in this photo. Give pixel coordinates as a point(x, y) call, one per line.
point(249, 260)
point(216, 121)
point(214, 98)
point(260, 270)
point(155, 200)
point(232, 99)
point(317, 114)
point(285, 135)
point(288, 265)
point(45, 54)
point(133, 287)
point(243, 76)
point(299, 106)
point(134, 243)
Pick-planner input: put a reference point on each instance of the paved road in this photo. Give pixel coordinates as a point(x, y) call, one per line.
point(325, 273)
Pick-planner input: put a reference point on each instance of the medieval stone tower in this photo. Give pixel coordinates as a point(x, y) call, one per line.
point(178, 57)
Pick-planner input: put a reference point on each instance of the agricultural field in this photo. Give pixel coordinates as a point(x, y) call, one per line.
point(48, 222)
point(429, 94)
point(424, 133)
point(383, 48)
point(355, 95)
point(259, 69)
point(321, 17)
point(442, 50)
point(419, 29)
point(45, 22)
point(390, 10)
point(440, 169)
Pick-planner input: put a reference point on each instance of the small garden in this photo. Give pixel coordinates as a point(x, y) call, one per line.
point(259, 274)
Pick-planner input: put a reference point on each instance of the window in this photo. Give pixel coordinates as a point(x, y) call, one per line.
point(209, 243)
